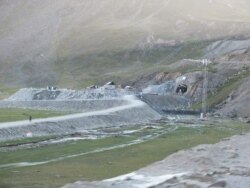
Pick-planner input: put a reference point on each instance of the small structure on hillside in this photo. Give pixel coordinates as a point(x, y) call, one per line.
point(109, 85)
point(51, 88)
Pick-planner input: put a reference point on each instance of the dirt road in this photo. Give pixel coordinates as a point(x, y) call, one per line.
point(132, 102)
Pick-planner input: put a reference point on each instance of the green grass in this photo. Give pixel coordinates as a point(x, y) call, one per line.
point(25, 141)
point(106, 164)
point(55, 151)
point(16, 114)
point(118, 65)
point(124, 65)
point(5, 92)
point(223, 92)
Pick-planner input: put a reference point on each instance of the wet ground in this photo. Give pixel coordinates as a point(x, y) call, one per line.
point(190, 168)
point(140, 133)
point(225, 164)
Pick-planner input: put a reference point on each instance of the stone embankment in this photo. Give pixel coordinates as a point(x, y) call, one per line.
point(168, 102)
point(64, 105)
point(28, 94)
point(126, 111)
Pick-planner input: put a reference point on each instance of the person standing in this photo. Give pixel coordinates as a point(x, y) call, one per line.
point(30, 118)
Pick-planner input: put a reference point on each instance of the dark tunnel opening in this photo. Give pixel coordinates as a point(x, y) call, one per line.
point(181, 89)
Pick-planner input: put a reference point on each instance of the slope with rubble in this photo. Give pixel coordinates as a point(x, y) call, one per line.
point(228, 81)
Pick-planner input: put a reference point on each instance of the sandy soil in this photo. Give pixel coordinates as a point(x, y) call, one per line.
point(225, 164)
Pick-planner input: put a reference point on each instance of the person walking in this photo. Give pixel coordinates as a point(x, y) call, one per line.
point(30, 118)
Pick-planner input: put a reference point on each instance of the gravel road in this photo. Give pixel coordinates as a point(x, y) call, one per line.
point(132, 102)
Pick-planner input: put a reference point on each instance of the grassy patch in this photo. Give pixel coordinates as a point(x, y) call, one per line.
point(25, 141)
point(106, 164)
point(5, 92)
point(124, 65)
point(60, 150)
point(16, 114)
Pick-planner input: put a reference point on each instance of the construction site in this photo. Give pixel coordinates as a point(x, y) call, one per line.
point(118, 94)
point(116, 119)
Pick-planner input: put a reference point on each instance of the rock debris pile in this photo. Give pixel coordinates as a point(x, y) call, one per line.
point(27, 94)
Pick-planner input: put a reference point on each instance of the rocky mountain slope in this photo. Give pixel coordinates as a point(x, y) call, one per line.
point(75, 43)
point(238, 102)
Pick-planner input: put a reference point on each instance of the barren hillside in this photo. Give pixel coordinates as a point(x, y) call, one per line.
point(74, 43)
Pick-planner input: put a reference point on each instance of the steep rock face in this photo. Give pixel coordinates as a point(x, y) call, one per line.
point(233, 56)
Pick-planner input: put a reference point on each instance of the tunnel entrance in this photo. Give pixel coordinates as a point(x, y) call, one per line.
point(181, 89)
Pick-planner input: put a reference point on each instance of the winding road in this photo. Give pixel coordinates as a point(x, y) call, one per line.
point(132, 102)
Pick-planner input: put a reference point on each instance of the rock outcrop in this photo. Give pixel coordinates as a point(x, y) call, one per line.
point(238, 102)
point(228, 47)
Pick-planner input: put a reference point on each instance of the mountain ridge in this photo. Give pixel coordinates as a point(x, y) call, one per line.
point(60, 42)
